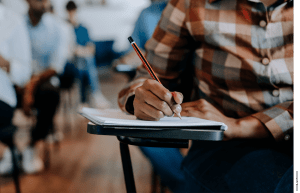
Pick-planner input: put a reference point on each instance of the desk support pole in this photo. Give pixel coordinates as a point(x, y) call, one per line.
point(127, 168)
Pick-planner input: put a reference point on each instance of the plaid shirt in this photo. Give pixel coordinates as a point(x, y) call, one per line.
point(242, 57)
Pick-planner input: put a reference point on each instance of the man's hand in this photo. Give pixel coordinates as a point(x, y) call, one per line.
point(153, 101)
point(4, 64)
point(248, 127)
point(28, 97)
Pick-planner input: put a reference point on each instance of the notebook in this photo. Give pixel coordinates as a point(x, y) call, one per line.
point(115, 117)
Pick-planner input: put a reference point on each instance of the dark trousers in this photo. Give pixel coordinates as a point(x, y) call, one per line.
point(6, 115)
point(67, 78)
point(239, 166)
point(46, 102)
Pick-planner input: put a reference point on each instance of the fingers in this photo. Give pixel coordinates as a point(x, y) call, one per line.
point(148, 98)
point(159, 90)
point(153, 101)
point(178, 97)
point(145, 111)
point(187, 112)
point(143, 116)
point(201, 103)
point(158, 103)
point(192, 112)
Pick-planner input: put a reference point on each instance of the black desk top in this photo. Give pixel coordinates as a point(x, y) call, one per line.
point(206, 134)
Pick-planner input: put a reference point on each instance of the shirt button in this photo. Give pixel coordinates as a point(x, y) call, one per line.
point(262, 23)
point(287, 137)
point(275, 93)
point(266, 61)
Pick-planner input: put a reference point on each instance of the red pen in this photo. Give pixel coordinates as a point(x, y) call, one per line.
point(147, 65)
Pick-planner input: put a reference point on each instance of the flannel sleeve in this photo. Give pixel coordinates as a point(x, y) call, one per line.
point(278, 120)
point(165, 52)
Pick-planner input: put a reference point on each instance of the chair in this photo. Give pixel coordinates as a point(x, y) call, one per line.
point(67, 82)
point(129, 70)
point(6, 137)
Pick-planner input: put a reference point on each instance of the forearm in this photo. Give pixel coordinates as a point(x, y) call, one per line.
point(39, 79)
point(252, 128)
point(46, 75)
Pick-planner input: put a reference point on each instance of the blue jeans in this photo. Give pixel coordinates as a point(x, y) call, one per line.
point(166, 163)
point(239, 166)
point(88, 75)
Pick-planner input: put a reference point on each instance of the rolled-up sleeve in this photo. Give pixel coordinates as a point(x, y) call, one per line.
point(165, 51)
point(278, 120)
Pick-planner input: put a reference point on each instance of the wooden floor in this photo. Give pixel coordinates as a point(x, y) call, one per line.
point(83, 162)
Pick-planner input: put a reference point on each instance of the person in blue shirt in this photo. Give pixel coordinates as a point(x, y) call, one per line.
point(85, 60)
point(147, 21)
point(143, 29)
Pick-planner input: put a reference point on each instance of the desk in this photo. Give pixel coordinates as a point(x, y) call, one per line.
point(177, 138)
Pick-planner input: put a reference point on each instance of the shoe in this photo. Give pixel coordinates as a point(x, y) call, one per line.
point(32, 163)
point(99, 101)
point(6, 165)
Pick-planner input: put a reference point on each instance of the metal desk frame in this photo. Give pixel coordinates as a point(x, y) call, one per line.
point(175, 138)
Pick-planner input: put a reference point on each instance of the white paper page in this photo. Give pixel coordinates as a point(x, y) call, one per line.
point(117, 117)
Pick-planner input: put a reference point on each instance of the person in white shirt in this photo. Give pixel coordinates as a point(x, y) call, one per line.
point(15, 69)
point(42, 91)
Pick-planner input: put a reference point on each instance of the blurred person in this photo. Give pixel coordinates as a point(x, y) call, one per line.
point(42, 91)
point(15, 69)
point(143, 30)
point(67, 78)
point(18, 6)
point(169, 171)
point(85, 61)
point(239, 56)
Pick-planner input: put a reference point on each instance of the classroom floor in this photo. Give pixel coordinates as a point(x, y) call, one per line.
point(84, 162)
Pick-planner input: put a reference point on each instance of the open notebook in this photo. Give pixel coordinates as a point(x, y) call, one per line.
point(115, 117)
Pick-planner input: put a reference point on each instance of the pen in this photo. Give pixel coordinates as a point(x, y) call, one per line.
point(147, 65)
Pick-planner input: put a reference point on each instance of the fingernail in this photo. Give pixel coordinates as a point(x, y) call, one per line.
point(178, 108)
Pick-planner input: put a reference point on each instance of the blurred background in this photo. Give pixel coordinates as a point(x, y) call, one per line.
point(73, 160)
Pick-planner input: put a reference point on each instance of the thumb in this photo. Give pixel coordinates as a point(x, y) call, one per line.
point(178, 97)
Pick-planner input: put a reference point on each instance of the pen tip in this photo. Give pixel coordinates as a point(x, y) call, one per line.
point(130, 39)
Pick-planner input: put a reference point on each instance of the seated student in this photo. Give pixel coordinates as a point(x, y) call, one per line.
point(143, 30)
point(67, 78)
point(42, 91)
point(15, 69)
point(243, 68)
point(85, 59)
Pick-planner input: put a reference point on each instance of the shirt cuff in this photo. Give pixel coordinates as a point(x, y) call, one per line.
point(278, 120)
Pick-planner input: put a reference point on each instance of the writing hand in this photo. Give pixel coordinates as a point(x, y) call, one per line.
point(153, 101)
